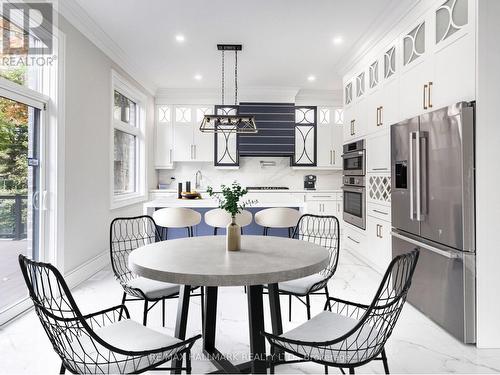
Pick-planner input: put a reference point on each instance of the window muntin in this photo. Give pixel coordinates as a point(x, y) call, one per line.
point(128, 167)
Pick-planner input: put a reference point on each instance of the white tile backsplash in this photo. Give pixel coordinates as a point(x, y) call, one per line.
point(251, 173)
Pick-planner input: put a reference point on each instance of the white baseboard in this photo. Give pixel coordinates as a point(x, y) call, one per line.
point(89, 268)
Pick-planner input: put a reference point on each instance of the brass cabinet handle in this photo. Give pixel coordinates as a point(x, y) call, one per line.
point(333, 154)
point(353, 132)
point(378, 121)
point(381, 110)
point(429, 95)
point(425, 102)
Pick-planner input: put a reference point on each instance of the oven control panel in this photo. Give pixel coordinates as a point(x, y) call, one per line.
point(354, 180)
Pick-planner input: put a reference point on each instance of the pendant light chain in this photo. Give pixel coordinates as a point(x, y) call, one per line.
point(222, 77)
point(235, 77)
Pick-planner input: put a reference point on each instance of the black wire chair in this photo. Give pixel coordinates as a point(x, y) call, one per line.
point(323, 231)
point(103, 342)
point(126, 235)
point(366, 327)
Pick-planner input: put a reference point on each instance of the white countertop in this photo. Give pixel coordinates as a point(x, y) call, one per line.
point(211, 203)
point(265, 198)
point(159, 191)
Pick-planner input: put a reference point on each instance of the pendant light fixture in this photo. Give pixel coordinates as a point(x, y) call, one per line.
point(229, 123)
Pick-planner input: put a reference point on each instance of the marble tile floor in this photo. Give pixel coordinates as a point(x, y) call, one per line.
point(416, 346)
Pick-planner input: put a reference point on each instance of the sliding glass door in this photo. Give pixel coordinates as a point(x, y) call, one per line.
point(20, 198)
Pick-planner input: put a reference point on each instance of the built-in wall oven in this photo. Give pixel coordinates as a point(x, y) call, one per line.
point(354, 158)
point(355, 201)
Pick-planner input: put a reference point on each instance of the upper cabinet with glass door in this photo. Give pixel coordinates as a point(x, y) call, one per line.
point(329, 140)
point(454, 55)
point(190, 144)
point(164, 141)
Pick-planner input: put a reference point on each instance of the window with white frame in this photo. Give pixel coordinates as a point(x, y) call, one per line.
point(128, 144)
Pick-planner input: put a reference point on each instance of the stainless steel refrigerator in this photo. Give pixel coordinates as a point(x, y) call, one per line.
point(433, 202)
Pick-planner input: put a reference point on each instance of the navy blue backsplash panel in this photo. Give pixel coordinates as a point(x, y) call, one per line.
point(276, 125)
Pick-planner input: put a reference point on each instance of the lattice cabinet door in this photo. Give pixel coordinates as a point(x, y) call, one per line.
point(379, 189)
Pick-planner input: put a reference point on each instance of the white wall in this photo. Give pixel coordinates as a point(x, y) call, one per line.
point(488, 175)
point(87, 138)
point(251, 173)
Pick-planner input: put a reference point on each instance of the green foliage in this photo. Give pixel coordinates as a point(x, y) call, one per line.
point(13, 137)
point(229, 198)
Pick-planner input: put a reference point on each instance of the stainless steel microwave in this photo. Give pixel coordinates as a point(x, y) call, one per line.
point(354, 159)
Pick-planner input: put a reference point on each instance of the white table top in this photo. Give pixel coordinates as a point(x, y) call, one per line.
point(204, 261)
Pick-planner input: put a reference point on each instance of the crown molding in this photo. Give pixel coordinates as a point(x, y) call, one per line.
point(319, 97)
point(81, 20)
point(213, 95)
point(383, 25)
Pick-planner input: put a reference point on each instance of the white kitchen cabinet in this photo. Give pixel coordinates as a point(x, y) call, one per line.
point(355, 120)
point(190, 144)
point(354, 240)
point(454, 54)
point(163, 138)
point(445, 71)
point(378, 152)
point(378, 253)
point(324, 204)
point(329, 139)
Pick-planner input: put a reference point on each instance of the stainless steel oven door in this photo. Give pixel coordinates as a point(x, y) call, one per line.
point(354, 163)
point(355, 206)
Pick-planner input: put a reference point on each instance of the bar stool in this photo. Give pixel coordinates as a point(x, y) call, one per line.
point(278, 217)
point(176, 217)
point(219, 218)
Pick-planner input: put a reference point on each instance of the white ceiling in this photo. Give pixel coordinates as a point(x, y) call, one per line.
point(284, 41)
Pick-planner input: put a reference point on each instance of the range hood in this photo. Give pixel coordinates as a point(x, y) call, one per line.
point(276, 124)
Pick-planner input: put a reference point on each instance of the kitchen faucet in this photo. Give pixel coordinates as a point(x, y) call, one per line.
point(198, 178)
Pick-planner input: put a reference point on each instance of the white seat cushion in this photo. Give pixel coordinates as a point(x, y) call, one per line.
point(92, 358)
point(153, 289)
point(300, 286)
point(133, 336)
point(328, 326)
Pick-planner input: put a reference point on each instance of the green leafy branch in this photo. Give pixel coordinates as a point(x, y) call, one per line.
point(229, 198)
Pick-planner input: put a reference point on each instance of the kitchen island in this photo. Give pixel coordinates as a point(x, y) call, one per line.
point(320, 202)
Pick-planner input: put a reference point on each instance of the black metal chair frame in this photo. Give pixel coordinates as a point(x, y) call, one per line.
point(328, 272)
point(384, 310)
point(125, 274)
point(265, 231)
point(66, 325)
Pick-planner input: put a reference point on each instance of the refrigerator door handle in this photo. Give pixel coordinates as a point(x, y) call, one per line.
point(423, 143)
point(419, 176)
point(447, 254)
point(412, 208)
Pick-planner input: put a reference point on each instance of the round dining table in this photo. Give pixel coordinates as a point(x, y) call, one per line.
point(204, 262)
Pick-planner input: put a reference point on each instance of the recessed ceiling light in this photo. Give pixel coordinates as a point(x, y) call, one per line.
point(337, 40)
point(311, 78)
point(198, 77)
point(180, 38)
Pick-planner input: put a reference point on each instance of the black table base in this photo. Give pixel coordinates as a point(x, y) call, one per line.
point(257, 364)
